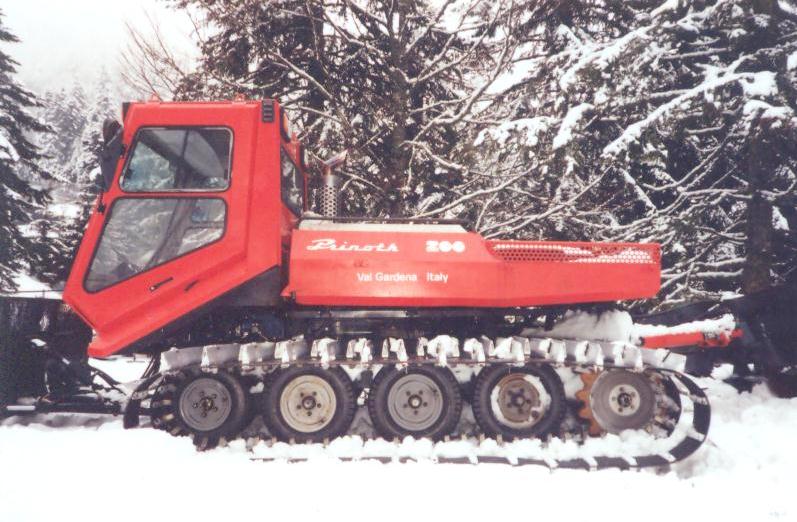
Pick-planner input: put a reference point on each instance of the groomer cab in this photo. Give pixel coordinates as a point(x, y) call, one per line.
point(198, 203)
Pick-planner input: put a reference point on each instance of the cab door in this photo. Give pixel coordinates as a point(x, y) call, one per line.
point(172, 233)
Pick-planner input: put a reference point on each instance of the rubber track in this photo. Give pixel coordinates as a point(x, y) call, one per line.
point(693, 439)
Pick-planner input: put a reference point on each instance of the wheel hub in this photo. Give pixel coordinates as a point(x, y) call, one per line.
point(622, 400)
point(415, 402)
point(518, 401)
point(308, 403)
point(205, 404)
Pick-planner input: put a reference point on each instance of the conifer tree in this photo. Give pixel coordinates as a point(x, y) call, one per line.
point(398, 84)
point(22, 192)
point(670, 122)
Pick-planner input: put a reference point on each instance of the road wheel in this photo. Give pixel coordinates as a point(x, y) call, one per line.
point(622, 400)
point(419, 401)
point(207, 406)
point(308, 404)
point(519, 402)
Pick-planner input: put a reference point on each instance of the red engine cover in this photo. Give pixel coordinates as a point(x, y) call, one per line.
point(423, 266)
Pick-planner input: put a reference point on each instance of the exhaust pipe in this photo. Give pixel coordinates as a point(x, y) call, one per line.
point(330, 195)
point(330, 189)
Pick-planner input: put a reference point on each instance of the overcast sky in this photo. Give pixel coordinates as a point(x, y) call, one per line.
point(65, 39)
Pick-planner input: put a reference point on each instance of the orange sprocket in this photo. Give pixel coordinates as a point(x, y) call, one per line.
point(585, 412)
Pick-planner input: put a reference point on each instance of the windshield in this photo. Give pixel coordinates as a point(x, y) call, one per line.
point(184, 159)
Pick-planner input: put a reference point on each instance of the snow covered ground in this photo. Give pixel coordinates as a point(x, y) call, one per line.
point(84, 467)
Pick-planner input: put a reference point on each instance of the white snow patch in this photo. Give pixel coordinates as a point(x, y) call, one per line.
point(529, 128)
point(520, 70)
point(756, 107)
point(600, 57)
point(779, 221)
point(669, 5)
point(612, 325)
point(570, 121)
point(791, 61)
point(761, 84)
point(7, 150)
point(28, 286)
point(787, 6)
point(722, 325)
point(715, 77)
point(66, 210)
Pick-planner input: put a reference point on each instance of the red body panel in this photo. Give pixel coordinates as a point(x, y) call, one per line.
point(130, 310)
point(423, 269)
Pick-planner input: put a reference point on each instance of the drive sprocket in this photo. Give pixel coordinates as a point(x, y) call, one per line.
point(617, 400)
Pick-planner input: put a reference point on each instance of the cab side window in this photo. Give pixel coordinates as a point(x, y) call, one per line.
point(179, 159)
point(292, 184)
point(142, 233)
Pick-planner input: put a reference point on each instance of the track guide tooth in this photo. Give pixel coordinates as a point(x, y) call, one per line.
point(475, 349)
point(350, 349)
point(594, 354)
point(557, 351)
point(613, 352)
point(674, 361)
point(398, 347)
point(215, 355)
point(361, 349)
point(654, 357)
point(253, 353)
point(631, 461)
point(540, 347)
point(325, 350)
point(502, 348)
point(694, 434)
point(550, 462)
point(290, 350)
point(632, 357)
point(441, 347)
point(420, 348)
point(180, 358)
point(488, 347)
point(520, 348)
point(576, 351)
point(393, 345)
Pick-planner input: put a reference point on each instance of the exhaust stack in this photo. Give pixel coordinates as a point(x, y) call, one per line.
point(329, 200)
point(330, 188)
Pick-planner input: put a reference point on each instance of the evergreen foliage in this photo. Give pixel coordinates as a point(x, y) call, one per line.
point(669, 122)
point(21, 173)
point(398, 84)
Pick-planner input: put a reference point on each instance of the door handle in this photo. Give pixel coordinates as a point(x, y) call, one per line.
point(160, 284)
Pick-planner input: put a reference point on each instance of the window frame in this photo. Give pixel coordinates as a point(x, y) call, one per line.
point(134, 143)
point(107, 221)
point(284, 152)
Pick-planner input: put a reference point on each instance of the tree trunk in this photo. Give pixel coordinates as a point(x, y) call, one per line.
point(758, 245)
point(397, 160)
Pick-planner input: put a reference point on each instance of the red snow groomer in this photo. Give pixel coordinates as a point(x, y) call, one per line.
point(201, 252)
